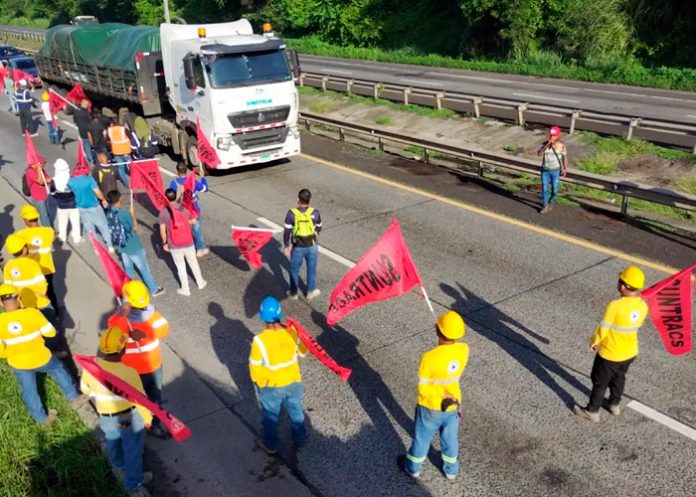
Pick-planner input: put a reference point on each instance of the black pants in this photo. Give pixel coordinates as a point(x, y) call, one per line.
point(607, 374)
point(26, 121)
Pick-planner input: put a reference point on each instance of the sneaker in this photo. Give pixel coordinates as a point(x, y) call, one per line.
point(158, 292)
point(203, 285)
point(202, 252)
point(584, 413)
point(450, 477)
point(614, 409)
point(412, 475)
point(140, 491)
point(147, 477)
point(78, 241)
point(62, 241)
point(185, 293)
point(51, 416)
point(262, 446)
point(112, 250)
point(34, 134)
point(159, 432)
point(545, 209)
point(313, 294)
point(292, 295)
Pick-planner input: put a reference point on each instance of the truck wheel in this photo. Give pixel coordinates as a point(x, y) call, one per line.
point(192, 151)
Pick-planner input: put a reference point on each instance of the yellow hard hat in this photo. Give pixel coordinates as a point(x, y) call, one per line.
point(451, 325)
point(45, 97)
point(112, 340)
point(634, 277)
point(136, 294)
point(29, 212)
point(7, 289)
point(15, 243)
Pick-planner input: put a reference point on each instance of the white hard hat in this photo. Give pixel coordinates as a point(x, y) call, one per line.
point(22, 82)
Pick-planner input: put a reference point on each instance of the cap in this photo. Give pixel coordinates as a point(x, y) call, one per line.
point(29, 212)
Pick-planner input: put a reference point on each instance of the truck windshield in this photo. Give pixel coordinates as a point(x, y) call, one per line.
point(227, 71)
point(24, 64)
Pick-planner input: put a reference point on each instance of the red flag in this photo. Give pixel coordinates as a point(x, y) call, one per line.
point(56, 102)
point(33, 156)
point(385, 271)
point(114, 273)
point(116, 385)
point(206, 153)
point(670, 310)
point(250, 241)
point(187, 200)
point(145, 175)
point(81, 166)
point(318, 351)
point(3, 74)
point(77, 95)
point(18, 74)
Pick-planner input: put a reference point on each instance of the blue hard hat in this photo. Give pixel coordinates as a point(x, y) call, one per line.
point(271, 311)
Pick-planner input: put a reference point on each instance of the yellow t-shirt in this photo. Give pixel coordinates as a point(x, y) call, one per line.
point(439, 373)
point(273, 359)
point(26, 275)
point(617, 334)
point(22, 335)
point(40, 242)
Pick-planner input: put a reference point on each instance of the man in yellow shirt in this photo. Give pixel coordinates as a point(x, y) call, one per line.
point(122, 422)
point(22, 333)
point(616, 342)
point(40, 244)
point(439, 397)
point(274, 369)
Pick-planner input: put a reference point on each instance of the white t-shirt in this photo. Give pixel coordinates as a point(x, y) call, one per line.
point(46, 109)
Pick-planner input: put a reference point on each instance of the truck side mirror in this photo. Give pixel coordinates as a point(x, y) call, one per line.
point(189, 76)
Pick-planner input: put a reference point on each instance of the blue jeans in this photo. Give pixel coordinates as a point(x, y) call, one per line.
point(42, 207)
point(271, 400)
point(125, 445)
point(198, 234)
point(429, 421)
point(94, 218)
point(123, 161)
point(53, 133)
point(88, 150)
point(152, 384)
point(139, 261)
point(550, 179)
point(27, 382)
point(298, 255)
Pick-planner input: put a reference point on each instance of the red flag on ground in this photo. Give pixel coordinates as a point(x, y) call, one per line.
point(33, 156)
point(250, 241)
point(385, 271)
point(670, 310)
point(318, 351)
point(187, 200)
point(117, 386)
point(77, 95)
point(145, 175)
point(206, 153)
point(114, 273)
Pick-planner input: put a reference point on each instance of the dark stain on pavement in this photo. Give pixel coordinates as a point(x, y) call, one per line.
point(554, 477)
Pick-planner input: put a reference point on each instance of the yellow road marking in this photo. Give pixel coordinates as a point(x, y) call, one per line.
point(500, 217)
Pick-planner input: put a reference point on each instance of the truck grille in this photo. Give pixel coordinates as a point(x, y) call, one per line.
point(261, 138)
point(252, 118)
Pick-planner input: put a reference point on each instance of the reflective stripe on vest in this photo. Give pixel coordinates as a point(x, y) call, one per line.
point(159, 323)
point(304, 224)
point(106, 398)
point(266, 362)
point(44, 250)
point(24, 283)
point(23, 98)
point(431, 381)
point(618, 329)
point(24, 338)
point(142, 348)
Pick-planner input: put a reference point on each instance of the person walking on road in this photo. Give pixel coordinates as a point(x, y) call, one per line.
point(274, 369)
point(615, 342)
point(120, 149)
point(122, 422)
point(22, 333)
point(124, 236)
point(96, 132)
point(302, 224)
point(51, 123)
point(39, 182)
point(66, 208)
point(9, 92)
point(105, 173)
point(201, 187)
point(145, 327)
point(554, 164)
point(175, 231)
point(82, 120)
point(439, 397)
point(25, 103)
point(89, 201)
point(40, 244)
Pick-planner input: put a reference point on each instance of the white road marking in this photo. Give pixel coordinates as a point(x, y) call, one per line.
point(547, 98)
point(670, 423)
point(328, 253)
point(409, 80)
point(341, 71)
point(691, 115)
point(71, 125)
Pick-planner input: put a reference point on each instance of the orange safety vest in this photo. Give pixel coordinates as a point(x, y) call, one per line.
point(143, 355)
point(120, 144)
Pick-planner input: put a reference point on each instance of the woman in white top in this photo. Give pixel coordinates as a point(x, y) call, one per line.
point(65, 201)
point(51, 122)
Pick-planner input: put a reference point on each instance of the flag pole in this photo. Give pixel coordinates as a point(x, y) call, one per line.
point(62, 97)
point(427, 301)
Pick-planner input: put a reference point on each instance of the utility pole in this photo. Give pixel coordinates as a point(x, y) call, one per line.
point(166, 12)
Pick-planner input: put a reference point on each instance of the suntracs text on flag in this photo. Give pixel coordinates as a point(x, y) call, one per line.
point(206, 153)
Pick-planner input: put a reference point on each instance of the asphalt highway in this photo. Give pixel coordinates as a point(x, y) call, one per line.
point(530, 302)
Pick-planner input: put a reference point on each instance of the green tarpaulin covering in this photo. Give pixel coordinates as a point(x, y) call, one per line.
point(111, 45)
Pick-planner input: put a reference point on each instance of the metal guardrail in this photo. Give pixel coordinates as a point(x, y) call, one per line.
point(480, 158)
point(661, 131)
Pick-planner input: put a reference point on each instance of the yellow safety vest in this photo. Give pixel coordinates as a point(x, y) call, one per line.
point(120, 144)
point(40, 242)
point(439, 373)
point(22, 335)
point(617, 333)
point(273, 359)
point(26, 275)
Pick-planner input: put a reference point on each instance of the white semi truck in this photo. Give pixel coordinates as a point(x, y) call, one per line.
point(237, 84)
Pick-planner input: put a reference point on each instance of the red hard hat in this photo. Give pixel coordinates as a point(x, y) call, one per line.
point(555, 131)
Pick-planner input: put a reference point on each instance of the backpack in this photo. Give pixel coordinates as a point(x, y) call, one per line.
point(119, 234)
point(105, 178)
point(26, 189)
point(179, 228)
point(303, 231)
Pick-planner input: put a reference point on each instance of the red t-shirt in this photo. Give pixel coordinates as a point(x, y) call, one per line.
point(38, 191)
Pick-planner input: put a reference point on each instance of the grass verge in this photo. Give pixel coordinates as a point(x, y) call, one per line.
point(63, 460)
